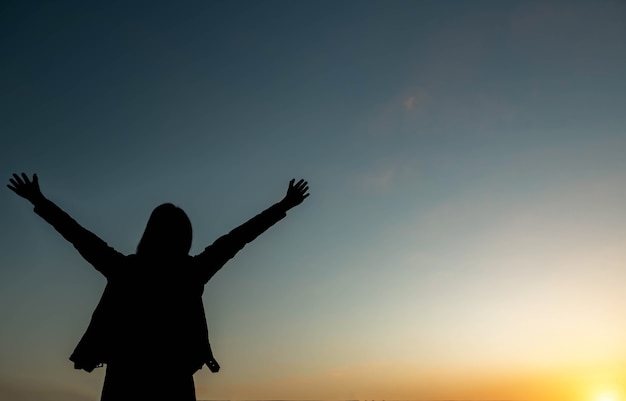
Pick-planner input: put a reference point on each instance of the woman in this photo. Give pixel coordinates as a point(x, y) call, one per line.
point(149, 327)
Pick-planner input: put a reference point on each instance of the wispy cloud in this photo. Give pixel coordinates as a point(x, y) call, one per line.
point(417, 101)
point(394, 113)
point(409, 102)
point(375, 180)
point(386, 174)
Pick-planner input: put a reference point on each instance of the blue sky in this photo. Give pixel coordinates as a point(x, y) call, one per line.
point(465, 159)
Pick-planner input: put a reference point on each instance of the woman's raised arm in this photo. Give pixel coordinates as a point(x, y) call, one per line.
point(90, 246)
point(224, 248)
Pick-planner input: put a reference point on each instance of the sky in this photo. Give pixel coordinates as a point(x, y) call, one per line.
point(465, 233)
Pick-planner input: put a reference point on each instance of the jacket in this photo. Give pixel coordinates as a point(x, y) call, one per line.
point(150, 311)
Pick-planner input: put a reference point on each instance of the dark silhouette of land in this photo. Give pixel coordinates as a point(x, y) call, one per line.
point(149, 327)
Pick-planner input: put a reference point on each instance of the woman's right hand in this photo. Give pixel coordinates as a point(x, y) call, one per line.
point(26, 188)
point(296, 194)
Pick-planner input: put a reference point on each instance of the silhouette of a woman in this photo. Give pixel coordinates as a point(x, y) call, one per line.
point(149, 327)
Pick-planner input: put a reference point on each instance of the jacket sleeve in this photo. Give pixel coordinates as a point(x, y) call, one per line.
point(224, 248)
point(93, 249)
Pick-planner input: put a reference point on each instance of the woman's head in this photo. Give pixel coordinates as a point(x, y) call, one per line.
point(168, 233)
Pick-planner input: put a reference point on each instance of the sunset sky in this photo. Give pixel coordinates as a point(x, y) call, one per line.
point(465, 237)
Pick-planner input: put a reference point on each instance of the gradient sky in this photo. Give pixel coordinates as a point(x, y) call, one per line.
point(465, 234)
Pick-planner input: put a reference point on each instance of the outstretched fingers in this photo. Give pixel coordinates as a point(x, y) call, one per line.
point(16, 183)
point(296, 193)
point(302, 187)
point(23, 186)
point(16, 180)
point(300, 184)
point(304, 191)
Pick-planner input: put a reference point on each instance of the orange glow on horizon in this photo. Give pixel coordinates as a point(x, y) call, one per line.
point(386, 382)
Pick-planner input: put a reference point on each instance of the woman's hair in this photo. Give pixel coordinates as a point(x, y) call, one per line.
point(168, 233)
